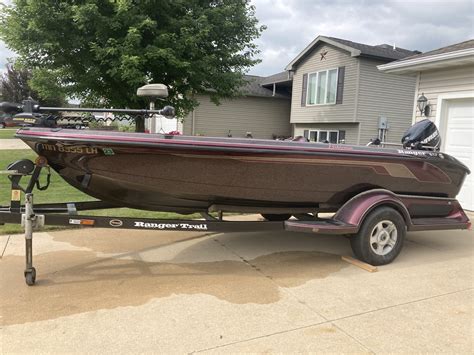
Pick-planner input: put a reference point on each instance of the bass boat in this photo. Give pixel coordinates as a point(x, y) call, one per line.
point(187, 174)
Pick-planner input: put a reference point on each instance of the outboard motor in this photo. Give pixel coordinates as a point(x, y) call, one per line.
point(422, 135)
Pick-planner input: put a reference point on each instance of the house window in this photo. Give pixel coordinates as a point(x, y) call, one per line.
point(324, 136)
point(322, 87)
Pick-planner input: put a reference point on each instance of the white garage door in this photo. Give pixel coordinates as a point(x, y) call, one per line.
point(459, 142)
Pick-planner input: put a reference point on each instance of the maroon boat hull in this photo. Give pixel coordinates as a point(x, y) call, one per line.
point(189, 174)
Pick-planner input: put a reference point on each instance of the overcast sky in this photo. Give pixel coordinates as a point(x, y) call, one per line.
point(292, 24)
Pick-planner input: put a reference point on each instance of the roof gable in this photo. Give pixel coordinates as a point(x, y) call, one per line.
point(354, 49)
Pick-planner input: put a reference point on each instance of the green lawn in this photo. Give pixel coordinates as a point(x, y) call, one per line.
point(7, 133)
point(60, 191)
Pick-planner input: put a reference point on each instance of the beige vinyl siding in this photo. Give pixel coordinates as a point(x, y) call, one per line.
point(386, 95)
point(351, 128)
point(264, 117)
point(443, 81)
point(335, 58)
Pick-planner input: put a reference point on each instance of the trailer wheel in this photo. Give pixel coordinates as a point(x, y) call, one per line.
point(380, 237)
point(276, 217)
point(30, 276)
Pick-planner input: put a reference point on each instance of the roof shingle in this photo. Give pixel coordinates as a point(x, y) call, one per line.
point(276, 78)
point(469, 44)
point(253, 87)
point(385, 51)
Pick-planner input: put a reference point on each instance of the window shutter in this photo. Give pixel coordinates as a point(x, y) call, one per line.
point(304, 90)
point(340, 84)
point(342, 136)
point(306, 133)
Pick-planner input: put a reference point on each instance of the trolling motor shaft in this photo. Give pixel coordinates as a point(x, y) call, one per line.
point(30, 112)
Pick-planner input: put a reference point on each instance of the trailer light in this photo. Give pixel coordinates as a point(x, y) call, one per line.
point(41, 161)
point(16, 195)
point(82, 222)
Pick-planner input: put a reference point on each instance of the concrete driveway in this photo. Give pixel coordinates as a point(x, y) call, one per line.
point(103, 291)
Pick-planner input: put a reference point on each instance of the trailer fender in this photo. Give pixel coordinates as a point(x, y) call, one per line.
point(355, 210)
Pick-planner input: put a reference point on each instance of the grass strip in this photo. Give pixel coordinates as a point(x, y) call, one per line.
point(60, 191)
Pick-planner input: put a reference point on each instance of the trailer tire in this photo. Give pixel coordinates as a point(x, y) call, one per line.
point(380, 237)
point(276, 217)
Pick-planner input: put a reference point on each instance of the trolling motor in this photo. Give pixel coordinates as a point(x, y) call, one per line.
point(27, 114)
point(30, 113)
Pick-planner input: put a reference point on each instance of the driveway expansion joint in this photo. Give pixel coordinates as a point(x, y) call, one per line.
point(401, 304)
point(5, 247)
point(258, 270)
point(329, 322)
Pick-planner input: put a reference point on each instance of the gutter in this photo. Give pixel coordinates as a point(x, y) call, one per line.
point(409, 63)
point(276, 82)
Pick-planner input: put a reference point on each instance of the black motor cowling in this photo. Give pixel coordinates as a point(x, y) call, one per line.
point(422, 135)
point(35, 120)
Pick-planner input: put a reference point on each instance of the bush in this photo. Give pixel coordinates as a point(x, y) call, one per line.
point(127, 128)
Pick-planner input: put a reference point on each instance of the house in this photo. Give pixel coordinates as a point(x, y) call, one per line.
point(338, 95)
point(260, 113)
point(445, 77)
point(332, 91)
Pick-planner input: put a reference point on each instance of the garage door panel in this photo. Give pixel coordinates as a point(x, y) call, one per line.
point(459, 142)
point(463, 138)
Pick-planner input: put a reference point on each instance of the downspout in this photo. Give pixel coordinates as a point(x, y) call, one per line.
point(356, 105)
point(417, 88)
point(193, 125)
point(274, 89)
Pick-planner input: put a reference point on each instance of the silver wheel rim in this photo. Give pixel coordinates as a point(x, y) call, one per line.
point(383, 237)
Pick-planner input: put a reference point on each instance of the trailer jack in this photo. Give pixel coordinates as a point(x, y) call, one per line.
point(30, 221)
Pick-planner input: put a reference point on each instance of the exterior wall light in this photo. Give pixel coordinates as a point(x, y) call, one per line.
point(423, 105)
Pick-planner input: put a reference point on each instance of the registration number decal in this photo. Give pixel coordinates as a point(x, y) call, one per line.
point(69, 149)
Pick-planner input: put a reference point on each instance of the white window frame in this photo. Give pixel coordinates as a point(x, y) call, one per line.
point(318, 131)
point(317, 88)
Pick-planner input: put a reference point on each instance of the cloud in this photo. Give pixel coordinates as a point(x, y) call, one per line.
point(292, 24)
point(5, 54)
point(422, 24)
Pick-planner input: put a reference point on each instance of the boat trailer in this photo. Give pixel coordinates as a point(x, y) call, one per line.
point(376, 219)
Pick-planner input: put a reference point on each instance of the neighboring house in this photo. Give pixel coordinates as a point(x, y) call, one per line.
point(260, 112)
point(445, 76)
point(339, 95)
point(335, 92)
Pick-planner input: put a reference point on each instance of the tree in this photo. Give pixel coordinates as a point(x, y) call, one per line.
point(102, 51)
point(15, 87)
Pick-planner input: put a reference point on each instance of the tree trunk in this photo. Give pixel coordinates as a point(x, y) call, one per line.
point(140, 124)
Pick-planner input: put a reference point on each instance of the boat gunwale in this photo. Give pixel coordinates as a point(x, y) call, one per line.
point(220, 144)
